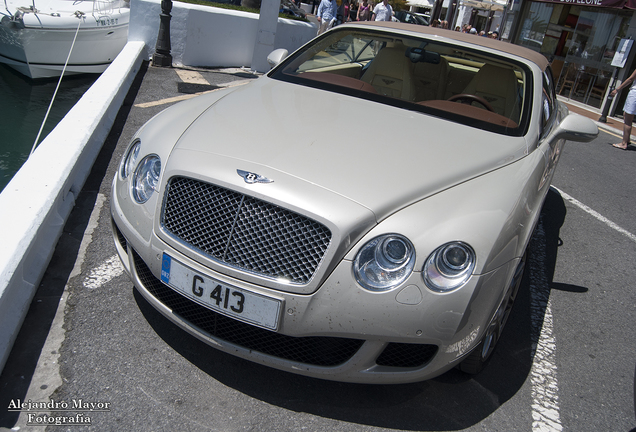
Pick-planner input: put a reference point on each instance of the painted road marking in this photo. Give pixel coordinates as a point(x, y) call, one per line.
point(543, 374)
point(617, 135)
point(611, 133)
point(191, 77)
point(190, 96)
point(103, 274)
point(596, 214)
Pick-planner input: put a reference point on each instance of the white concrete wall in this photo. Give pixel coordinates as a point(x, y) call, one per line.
point(34, 206)
point(208, 36)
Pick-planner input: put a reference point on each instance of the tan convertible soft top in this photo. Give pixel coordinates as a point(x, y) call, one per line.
point(535, 57)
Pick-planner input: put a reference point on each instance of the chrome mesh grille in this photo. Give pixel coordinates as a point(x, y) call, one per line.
point(243, 231)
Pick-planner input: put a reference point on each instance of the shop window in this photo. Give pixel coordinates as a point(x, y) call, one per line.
point(535, 25)
point(590, 53)
point(579, 42)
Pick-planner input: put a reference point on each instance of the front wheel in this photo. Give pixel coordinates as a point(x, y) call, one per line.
point(478, 358)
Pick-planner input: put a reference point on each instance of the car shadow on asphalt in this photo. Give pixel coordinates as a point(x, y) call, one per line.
point(453, 401)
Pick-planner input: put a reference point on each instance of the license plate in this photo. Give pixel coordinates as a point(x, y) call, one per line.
point(226, 299)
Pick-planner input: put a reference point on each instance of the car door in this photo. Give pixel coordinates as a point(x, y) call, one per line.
point(551, 115)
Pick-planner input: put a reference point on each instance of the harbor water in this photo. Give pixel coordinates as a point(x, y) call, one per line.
point(23, 106)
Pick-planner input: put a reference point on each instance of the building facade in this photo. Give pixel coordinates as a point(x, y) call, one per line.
point(579, 38)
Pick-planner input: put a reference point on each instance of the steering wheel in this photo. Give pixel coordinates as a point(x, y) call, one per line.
point(472, 98)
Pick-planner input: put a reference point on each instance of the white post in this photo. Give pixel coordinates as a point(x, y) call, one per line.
point(267, 23)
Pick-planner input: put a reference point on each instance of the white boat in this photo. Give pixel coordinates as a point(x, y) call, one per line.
point(36, 35)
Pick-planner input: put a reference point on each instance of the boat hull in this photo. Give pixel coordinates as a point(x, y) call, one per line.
point(41, 52)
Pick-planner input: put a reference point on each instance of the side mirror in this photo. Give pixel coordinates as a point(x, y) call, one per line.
point(575, 127)
point(276, 56)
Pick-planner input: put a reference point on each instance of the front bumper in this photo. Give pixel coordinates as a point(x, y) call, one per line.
point(340, 332)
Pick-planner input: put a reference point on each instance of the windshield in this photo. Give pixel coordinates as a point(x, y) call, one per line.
point(465, 85)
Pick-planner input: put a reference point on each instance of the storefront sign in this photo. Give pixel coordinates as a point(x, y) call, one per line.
point(619, 4)
point(621, 54)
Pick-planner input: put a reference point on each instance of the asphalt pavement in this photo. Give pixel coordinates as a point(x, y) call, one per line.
point(565, 362)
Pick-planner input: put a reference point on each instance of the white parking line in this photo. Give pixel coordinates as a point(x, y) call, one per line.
point(543, 374)
point(103, 274)
point(191, 77)
point(189, 96)
point(597, 215)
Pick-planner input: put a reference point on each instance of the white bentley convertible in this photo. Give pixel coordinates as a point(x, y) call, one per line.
point(361, 213)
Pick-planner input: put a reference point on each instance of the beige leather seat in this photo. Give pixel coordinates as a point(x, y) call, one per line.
point(430, 80)
point(391, 73)
point(499, 86)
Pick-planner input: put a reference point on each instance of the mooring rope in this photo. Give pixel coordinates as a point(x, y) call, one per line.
point(35, 144)
point(6, 6)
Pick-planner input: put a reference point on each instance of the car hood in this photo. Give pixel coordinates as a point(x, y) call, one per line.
point(378, 156)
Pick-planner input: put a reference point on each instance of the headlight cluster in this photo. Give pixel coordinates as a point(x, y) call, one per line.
point(128, 164)
point(384, 262)
point(145, 177)
point(388, 260)
point(449, 266)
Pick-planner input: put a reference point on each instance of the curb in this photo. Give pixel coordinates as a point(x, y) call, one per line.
point(51, 179)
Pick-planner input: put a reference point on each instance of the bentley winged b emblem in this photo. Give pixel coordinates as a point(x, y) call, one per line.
point(251, 177)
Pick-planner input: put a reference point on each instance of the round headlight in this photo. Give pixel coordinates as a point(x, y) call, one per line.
point(146, 178)
point(128, 164)
point(384, 262)
point(449, 267)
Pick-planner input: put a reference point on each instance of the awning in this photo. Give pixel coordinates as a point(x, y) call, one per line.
point(484, 4)
point(421, 3)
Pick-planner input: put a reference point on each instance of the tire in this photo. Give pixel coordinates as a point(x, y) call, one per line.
point(478, 358)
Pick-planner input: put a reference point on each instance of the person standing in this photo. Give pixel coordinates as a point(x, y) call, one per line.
point(326, 15)
point(353, 10)
point(345, 11)
point(364, 11)
point(629, 109)
point(382, 12)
